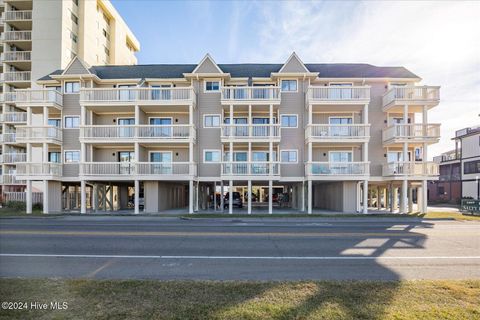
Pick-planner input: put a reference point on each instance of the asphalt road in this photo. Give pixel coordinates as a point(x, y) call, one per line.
point(231, 249)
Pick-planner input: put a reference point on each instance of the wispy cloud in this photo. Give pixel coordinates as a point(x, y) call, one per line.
point(440, 41)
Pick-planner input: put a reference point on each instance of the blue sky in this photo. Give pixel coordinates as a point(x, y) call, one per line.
point(440, 41)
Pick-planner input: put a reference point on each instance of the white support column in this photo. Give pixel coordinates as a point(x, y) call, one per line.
point(137, 196)
point(190, 196)
point(45, 196)
point(45, 152)
point(95, 197)
point(424, 196)
point(231, 115)
point(190, 145)
point(379, 199)
point(45, 116)
point(29, 116)
point(29, 197)
point(271, 119)
point(249, 158)
point(230, 197)
point(249, 193)
point(302, 196)
point(403, 195)
point(270, 196)
point(222, 197)
point(197, 196)
point(250, 128)
point(214, 195)
point(365, 196)
point(309, 197)
point(410, 199)
point(83, 197)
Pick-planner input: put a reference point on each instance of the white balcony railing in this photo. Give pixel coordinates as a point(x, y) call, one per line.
point(18, 15)
point(8, 137)
point(338, 93)
point(151, 132)
point(258, 168)
point(14, 117)
point(426, 168)
point(39, 169)
point(17, 35)
point(38, 96)
point(253, 131)
point(150, 95)
point(266, 93)
point(11, 179)
point(412, 93)
point(338, 168)
point(338, 131)
point(14, 157)
point(38, 133)
point(16, 56)
point(136, 168)
point(17, 76)
point(416, 131)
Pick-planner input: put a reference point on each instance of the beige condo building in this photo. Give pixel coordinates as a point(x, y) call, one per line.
point(308, 137)
point(39, 37)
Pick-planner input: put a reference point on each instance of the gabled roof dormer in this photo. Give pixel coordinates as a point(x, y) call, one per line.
point(207, 68)
point(294, 67)
point(76, 66)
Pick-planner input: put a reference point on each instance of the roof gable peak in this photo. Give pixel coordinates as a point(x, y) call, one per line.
point(293, 64)
point(207, 65)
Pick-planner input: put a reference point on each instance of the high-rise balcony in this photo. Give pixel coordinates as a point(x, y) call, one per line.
point(337, 133)
point(17, 76)
point(338, 95)
point(42, 170)
point(337, 170)
point(414, 132)
point(13, 117)
point(13, 157)
point(18, 15)
point(139, 170)
point(401, 169)
point(38, 98)
point(252, 132)
point(131, 133)
point(11, 56)
point(12, 36)
point(137, 96)
point(39, 134)
point(412, 96)
point(250, 95)
point(254, 169)
point(8, 137)
point(11, 179)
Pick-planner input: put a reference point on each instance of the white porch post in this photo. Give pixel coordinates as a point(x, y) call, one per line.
point(410, 199)
point(270, 196)
point(137, 196)
point(365, 196)
point(424, 196)
point(403, 195)
point(83, 197)
point(309, 197)
point(45, 196)
point(379, 200)
point(222, 198)
point(190, 196)
point(29, 197)
point(249, 195)
point(230, 197)
point(302, 196)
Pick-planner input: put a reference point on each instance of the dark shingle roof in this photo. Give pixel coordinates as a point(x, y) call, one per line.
point(246, 70)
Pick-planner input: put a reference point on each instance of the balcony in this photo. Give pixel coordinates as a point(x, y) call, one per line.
point(13, 117)
point(8, 137)
point(17, 76)
point(337, 170)
point(12, 56)
point(12, 36)
point(254, 170)
point(137, 96)
point(411, 95)
point(250, 95)
point(19, 15)
point(39, 134)
point(48, 170)
point(13, 157)
point(420, 133)
point(38, 98)
point(337, 133)
point(140, 170)
point(11, 179)
point(144, 133)
point(253, 132)
point(338, 95)
point(401, 169)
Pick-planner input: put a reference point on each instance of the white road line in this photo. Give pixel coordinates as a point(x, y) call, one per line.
point(34, 255)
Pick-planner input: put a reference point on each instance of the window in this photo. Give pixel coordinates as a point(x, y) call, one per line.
point(76, 2)
point(72, 122)
point(106, 35)
point(74, 18)
point(73, 36)
point(289, 120)
point(212, 86)
point(54, 157)
point(211, 156)
point(471, 167)
point(107, 51)
point(289, 85)
point(289, 156)
point(72, 87)
point(211, 121)
point(340, 156)
point(72, 156)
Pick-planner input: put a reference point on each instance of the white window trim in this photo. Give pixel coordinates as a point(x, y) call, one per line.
point(289, 150)
point(281, 90)
point(212, 80)
point(212, 150)
point(288, 115)
point(160, 151)
point(65, 158)
point(347, 151)
point(71, 116)
point(212, 115)
point(65, 85)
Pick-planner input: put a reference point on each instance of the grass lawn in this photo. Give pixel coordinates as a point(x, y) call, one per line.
point(448, 215)
point(8, 212)
point(95, 299)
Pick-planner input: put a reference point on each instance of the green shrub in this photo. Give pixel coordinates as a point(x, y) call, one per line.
point(16, 205)
point(37, 206)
